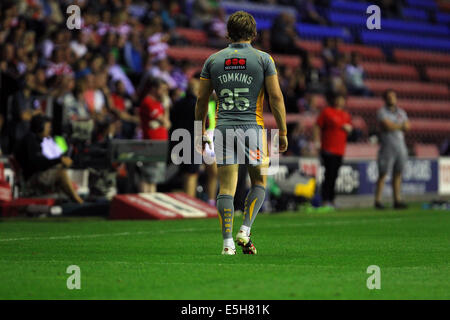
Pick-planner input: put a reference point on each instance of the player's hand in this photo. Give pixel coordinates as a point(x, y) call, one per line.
point(282, 143)
point(66, 161)
point(201, 141)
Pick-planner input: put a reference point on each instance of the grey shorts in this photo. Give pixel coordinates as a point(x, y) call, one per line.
point(390, 158)
point(240, 144)
point(152, 172)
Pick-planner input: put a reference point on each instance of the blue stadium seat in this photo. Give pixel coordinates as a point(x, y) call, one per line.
point(443, 18)
point(415, 14)
point(394, 25)
point(259, 11)
point(349, 6)
point(387, 39)
point(347, 19)
point(425, 4)
point(262, 24)
point(312, 31)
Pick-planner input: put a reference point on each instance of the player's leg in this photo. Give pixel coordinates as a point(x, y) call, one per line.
point(253, 203)
point(379, 191)
point(397, 183)
point(399, 164)
point(384, 163)
point(211, 182)
point(255, 197)
point(256, 151)
point(228, 175)
point(227, 171)
point(211, 172)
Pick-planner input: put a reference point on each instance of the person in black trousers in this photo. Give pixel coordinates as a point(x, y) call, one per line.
point(330, 135)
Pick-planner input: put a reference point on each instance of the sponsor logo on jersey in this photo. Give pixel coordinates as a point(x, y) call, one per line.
point(235, 64)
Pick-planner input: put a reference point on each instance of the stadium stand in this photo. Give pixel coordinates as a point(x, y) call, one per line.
point(361, 151)
point(426, 150)
point(410, 89)
point(309, 31)
point(410, 54)
point(392, 25)
point(438, 74)
point(421, 57)
point(390, 71)
point(415, 14)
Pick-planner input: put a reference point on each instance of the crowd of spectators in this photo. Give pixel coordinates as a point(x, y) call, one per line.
point(86, 79)
point(91, 82)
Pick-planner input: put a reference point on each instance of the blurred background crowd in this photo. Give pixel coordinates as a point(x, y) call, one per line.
point(98, 72)
point(92, 82)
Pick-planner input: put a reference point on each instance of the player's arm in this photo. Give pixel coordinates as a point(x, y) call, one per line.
point(391, 126)
point(278, 109)
point(406, 124)
point(201, 107)
point(201, 110)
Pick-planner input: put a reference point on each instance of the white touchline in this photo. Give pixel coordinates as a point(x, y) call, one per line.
point(306, 224)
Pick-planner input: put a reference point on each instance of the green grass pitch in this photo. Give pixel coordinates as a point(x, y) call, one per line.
point(300, 256)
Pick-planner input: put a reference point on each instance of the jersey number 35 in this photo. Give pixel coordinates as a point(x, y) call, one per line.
point(232, 99)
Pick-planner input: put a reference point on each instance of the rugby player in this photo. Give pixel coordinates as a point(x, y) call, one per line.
point(240, 75)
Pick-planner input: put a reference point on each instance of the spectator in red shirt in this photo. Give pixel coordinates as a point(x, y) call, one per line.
point(123, 109)
point(153, 121)
point(155, 126)
point(330, 135)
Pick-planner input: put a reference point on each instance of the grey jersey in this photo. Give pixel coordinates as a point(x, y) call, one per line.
point(394, 139)
point(237, 74)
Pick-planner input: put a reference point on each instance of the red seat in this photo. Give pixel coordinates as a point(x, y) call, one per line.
point(425, 107)
point(295, 61)
point(428, 108)
point(426, 150)
point(361, 151)
point(308, 121)
point(438, 74)
point(196, 37)
point(367, 53)
point(313, 47)
point(430, 125)
point(421, 57)
point(194, 54)
point(200, 54)
point(410, 89)
point(362, 103)
point(287, 60)
point(390, 71)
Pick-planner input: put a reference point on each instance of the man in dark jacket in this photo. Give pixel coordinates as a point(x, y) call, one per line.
point(41, 173)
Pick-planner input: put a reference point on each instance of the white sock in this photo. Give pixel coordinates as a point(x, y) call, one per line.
point(228, 243)
point(245, 229)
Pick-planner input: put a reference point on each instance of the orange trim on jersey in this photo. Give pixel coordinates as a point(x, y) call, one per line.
point(217, 109)
point(259, 108)
point(201, 78)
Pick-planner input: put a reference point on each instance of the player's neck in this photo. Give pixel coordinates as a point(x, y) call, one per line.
point(392, 107)
point(248, 42)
